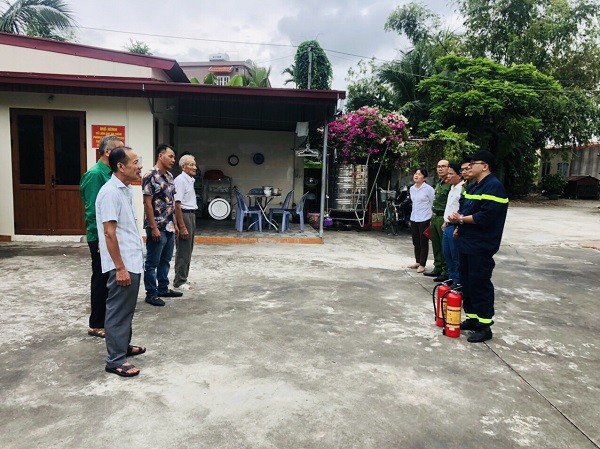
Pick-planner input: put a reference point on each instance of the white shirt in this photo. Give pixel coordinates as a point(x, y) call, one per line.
point(422, 200)
point(453, 198)
point(114, 203)
point(184, 191)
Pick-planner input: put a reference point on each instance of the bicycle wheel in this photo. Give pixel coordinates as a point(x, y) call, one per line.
point(394, 222)
point(388, 219)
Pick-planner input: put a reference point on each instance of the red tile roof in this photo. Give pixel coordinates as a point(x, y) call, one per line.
point(220, 69)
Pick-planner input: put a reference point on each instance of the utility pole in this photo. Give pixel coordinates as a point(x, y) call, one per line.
point(309, 65)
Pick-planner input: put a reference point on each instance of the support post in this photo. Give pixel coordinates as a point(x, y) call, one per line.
point(323, 177)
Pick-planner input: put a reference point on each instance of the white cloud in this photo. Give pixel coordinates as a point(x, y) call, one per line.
point(353, 26)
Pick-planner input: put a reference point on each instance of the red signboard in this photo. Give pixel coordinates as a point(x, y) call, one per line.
point(99, 131)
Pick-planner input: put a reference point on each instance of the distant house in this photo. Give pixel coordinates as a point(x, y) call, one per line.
point(567, 161)
point(58, 98)
point(219, 65)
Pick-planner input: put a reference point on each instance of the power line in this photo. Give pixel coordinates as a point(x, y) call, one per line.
point(459, 83)
point(201, 39)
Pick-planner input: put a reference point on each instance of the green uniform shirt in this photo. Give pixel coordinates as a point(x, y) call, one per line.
point(90, 185)
point(440, 198)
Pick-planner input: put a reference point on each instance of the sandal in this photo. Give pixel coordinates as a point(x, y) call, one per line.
point(135, 350)
point(123, 370)
point(97, 332)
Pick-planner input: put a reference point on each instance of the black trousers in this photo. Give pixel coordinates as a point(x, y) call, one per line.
point(98, 288)
point(478, 291)
point(420, 242)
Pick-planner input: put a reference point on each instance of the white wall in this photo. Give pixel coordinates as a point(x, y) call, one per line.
point(212, 148)
point(19, 59)
point(133, 113)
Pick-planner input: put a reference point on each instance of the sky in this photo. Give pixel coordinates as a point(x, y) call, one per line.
point(264, 31)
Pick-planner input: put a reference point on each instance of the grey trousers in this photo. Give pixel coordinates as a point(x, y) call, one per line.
point(183, 256)
point(120, 306)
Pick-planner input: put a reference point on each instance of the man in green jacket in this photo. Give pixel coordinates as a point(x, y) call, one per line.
point(90, 185)
point(440, 269)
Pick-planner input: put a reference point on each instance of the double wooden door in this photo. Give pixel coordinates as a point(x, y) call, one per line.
point(48, 159)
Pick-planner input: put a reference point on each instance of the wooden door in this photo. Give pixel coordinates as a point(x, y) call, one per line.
point(48, 159)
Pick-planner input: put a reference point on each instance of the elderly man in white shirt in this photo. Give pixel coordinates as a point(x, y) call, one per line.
point(448, 242)
point(120, 245)
point(185, 214)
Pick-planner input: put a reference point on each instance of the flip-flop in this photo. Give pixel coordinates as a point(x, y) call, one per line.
point(135, 350)
point(96, 332)
point(121, 370)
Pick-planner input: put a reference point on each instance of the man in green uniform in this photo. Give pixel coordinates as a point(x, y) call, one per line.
point(440, 269)
point(91, 182)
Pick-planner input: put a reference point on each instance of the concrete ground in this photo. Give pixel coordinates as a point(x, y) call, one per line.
point(312, 346)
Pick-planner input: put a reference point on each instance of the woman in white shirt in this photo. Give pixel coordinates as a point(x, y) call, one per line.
point(421, 195)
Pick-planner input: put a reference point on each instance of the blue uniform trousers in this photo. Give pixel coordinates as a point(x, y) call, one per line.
point(478, 291)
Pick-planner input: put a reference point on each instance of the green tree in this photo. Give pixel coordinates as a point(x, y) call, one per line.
point(236, 80)
point(258, 76)
point(559, 37)
point(311, 55)
point(505, 110)
point(414, 20)
point(430, 41)
point(45, 18)
point(139, 47)
point(365, 88)
point(442, 144)
point(210, 78)
point(291, 72)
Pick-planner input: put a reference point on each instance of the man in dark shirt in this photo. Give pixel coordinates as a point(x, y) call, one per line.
point(91, 182)
point(480, 220)
point(159, 210)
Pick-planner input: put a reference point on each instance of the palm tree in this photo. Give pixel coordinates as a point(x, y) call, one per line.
point(43, 18)
point(291, 71)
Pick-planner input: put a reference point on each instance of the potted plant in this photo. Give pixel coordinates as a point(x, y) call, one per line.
point(553, 186)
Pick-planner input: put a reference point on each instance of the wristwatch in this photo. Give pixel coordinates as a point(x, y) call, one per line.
point(461, 220)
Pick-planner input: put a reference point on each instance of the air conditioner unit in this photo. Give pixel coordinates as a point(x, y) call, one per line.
point(219, 57)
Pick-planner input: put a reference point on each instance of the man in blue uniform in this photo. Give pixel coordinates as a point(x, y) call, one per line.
point(480, 220)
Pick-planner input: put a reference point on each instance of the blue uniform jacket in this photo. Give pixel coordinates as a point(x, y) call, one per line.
point(487, 202)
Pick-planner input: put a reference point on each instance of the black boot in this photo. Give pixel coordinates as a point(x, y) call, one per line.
point(470, 324)
point(480, 334)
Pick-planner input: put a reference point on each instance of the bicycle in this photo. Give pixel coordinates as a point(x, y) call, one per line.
point(391, 213)
point(397, 210)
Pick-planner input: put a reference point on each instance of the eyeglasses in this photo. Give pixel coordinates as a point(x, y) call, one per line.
point(475, 163)
point(468, 167)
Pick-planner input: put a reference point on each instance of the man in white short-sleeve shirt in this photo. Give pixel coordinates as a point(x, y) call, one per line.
point(185, 214)
point(120, 246)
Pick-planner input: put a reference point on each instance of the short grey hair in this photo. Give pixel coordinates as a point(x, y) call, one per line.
point(186, 159)
point(109, 142)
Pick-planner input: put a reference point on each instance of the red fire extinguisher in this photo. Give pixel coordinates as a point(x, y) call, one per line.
point(438, 304)
point(451, 313)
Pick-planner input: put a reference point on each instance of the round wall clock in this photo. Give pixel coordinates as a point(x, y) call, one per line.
point(258, 158)
point(233, 160)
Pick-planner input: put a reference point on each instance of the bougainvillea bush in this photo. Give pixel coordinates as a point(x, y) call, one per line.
point(369, 131)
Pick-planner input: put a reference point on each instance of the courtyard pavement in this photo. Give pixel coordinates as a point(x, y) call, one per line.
point(312, 346)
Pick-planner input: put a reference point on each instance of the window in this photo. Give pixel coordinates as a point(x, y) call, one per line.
point(222, 80)
point(546, 168)
point(562, 168)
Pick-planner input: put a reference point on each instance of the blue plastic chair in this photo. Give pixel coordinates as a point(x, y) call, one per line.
point(287, 214)
point(280, 210)
point(244, 211)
